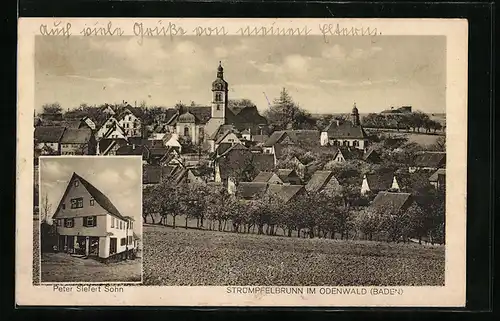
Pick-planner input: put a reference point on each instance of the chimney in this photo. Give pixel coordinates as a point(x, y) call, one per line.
point(338, 122)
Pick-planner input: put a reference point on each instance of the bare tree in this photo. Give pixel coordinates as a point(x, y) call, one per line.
point(46, 207)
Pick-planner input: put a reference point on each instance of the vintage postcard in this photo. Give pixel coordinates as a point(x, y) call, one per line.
point(241, 162)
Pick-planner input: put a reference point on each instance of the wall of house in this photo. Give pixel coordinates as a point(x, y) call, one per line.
point(364, 186)
point(107, 125)
point(323, 138)
point(54, 146)
point(113, 224)
point(361, 144)
point(74, 149)
point(275, 180)
point(104, 246)
point(131, 125)
point(268, 150)
point(78, 228)
point(194, 131)
point(395, 184)
point(231, 138)
point(339, 158)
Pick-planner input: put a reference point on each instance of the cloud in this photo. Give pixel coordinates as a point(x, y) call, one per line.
point(131, 174)
point(297, 64)
point(337, 52)
point(109, 177)
point(53, 171)
point(361, 83)
point(220, 52)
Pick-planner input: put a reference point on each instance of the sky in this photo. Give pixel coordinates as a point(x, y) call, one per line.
point(375, 72)
point(118, 178)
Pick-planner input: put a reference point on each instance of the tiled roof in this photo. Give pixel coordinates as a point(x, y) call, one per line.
point(263, 162)
point(283, 173)
point(299, 137)
point(430, 159)
point(318, 181)
point(49, 134)
point(344, 130)
point(234, 160)
point(105, 143)
point(260, 138)
point(391, 203)
point(250, 190)
point(285, 192)
point(76, 136)
point(98, 196)
point(263, 177)
point(223, 147)
point(435, 175)
point(350, 153)
point(130, 150)
point(380, 181)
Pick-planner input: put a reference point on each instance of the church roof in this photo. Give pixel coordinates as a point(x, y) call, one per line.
point(187, 117)
point(338, 129)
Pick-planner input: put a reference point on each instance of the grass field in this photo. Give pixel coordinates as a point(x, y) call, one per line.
point(422, 139)
point(193, 257)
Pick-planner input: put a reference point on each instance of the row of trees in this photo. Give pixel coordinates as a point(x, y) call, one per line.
point(334, 215)
point(403, 121)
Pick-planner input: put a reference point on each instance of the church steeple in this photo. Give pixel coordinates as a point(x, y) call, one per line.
point(219, 95)
point(220, 71)
point(355, 116)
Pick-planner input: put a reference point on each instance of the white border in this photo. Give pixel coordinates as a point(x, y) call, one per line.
point(450, 295)
point(60, 157)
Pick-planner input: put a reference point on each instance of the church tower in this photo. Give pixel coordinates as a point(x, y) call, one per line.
point(355, 116)
point(219, 95)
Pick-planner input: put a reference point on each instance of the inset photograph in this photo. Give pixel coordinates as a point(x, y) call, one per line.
point(90, 219)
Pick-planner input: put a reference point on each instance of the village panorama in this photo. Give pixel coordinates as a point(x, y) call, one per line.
point(233, 194)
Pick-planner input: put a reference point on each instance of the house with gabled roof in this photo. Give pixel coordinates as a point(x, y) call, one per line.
point(89, 224)
point(345, 133)
point(286, 193)
point(267, 177)
point(251, 190)
point(438, 179)
point(428, 161)
point(323, 182)
point(391, 203)
point(48, 139)
point(130, 120)
point(289, 176)
point(372, 156)
point(377, 182)
point(109, 146)
point(283, 138)
point(78, 142)
point(344, 154)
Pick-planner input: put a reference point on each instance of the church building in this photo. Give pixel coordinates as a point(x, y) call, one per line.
point(206, 124)
point(345, 133)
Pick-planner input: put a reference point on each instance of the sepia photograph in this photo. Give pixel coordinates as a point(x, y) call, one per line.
point(241, 169)
point(267, 161)
point(89, 219)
